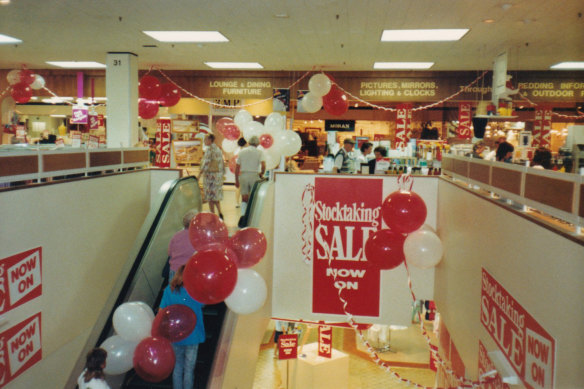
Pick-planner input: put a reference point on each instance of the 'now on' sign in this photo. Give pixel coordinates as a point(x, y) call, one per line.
point(527, 346)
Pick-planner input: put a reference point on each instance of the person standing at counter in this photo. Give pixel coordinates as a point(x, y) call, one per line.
point(379, 164)
point(344, 160)
point(505, 152)
point(250, 162)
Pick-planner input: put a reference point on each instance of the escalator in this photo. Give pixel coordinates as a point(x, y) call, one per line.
point(145, 281)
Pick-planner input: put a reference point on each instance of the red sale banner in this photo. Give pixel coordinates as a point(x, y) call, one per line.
point(527, 346)
point(288, 346)
point(20, 279)
point(20, 348)
point(343, 220)
point(542, 126)
point(325, 341)
point(80, 115)
point(464, 121)
point(403, 125)
point(163, 143)
point(93, 121)
point(485, 366)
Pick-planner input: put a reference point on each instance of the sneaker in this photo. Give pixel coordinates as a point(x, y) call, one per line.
point(221, 216)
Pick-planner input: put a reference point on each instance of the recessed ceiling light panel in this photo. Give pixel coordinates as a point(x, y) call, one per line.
point(234, 65)
point(77, 64)
point(8, 39)
point(568, 66)
point(430, 35)
point(403, 65)
point(187, 36)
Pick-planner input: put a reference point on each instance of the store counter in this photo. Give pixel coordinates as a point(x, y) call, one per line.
point(314, 372)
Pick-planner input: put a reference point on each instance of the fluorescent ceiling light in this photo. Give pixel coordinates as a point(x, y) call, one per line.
point(423, 35)
point(403, 65)
point(77, 64)
point(568, 66)
point(58, 116)
point(187, 36)
point(234, 65)
point(8, 39)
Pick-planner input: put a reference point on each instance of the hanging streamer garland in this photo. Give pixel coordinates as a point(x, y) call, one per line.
point(576, 117)
point(404, 182)
point(307, 216)
point(5, 90)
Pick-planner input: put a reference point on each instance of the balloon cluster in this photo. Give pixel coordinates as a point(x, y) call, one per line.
point(324, 93)
point(22, 82)
point(219, 269)
point(275, 140)
point(407, 238)
point(152, 94)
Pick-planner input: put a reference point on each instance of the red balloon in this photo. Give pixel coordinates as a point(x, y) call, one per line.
point(233, 163)
point(250, 245)
point(231, 131)
point(210, 276)
point(221, 247)
point(266, 140)
point(207, 228)
point(335, 102)
point(149, 88)
point(27, 76)
point(222, 123)
point(147, 109)
point(174, 322)
point(21, 92)
point(403, 212)
point(154, 359)
point(169, 95)
point(385, 249)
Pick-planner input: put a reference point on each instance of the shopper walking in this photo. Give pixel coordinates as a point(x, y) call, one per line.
point(250, 162)
point(185, 351)
point(93, 376)
point(212, 169)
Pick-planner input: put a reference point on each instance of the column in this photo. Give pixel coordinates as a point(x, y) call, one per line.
point(121, 85)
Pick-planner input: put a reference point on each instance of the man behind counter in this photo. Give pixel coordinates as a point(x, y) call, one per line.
point(344, 160)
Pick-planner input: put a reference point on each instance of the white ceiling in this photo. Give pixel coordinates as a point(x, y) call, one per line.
point(316, 34)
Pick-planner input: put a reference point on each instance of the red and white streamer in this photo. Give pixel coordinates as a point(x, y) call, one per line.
point(307, 219)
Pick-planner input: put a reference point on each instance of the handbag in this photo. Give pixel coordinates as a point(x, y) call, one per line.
point(213, 166)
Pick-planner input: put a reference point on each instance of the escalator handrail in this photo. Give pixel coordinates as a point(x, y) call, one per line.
point(252, 196)
point(125, 290)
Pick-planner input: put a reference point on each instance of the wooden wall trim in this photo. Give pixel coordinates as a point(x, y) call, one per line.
point(19, 165)
point(460, 167)
point(508, 180)
point(105, 158)
point(555, 193)
point(70, 161)
point(132, 156)
point(479, 172)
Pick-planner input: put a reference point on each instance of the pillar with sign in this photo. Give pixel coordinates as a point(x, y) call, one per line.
point(121, 83)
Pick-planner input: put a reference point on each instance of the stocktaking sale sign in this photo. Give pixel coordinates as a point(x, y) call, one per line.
point(321, 272)
point(527, 346)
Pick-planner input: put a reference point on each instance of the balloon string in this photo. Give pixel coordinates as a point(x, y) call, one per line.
point(405, 182)
point(307, 217)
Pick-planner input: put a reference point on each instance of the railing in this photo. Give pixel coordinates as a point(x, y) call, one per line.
point(560, 195)
point(41, 163)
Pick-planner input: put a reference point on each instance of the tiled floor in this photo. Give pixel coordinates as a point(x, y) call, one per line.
point(408, 346)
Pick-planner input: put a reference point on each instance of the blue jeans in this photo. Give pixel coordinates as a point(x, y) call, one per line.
point(183, 376)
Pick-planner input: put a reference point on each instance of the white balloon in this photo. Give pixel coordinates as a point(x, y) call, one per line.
point(275, 122)
point(319, 84)
point(273, 157)
point(423, 249)
point(120, 354)
point(39, 82)
point(292, 144)
point(250, 292)
point(133, 321)
point(252, 128)
point(229, 146)
point(311, 103)
point(13, 77)
point(242, 117)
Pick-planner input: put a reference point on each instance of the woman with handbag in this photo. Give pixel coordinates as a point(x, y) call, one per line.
point(212, 169)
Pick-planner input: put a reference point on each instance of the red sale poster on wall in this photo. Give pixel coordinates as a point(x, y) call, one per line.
point(343, 220)
point(527, 346)
point(20, 279)
point(464, 121)
point(20, 348)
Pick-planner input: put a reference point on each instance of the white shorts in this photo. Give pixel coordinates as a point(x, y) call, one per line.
point(246, 181)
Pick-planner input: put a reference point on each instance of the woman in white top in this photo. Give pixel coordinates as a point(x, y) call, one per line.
point(93, 376)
